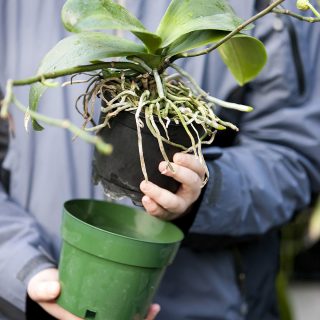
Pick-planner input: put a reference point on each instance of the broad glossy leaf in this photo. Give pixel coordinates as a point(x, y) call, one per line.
point(90, 15)
point(77, 50)
point(195, 40)
point(151, 60)
point(245, 57)
point(185, 16)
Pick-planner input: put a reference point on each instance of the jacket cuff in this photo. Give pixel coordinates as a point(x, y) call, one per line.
point(186, 221)
point(33, 266)
point(33, 261)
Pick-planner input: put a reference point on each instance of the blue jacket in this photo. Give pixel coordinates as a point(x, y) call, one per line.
point(267, 172)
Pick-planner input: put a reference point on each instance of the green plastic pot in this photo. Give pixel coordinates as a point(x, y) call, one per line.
point(112, 259)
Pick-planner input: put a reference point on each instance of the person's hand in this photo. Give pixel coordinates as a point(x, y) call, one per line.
point(153, 312)
point(166, 205)
point(44, 288)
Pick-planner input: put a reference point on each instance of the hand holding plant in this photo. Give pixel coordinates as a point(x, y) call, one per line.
point(165, 205)
point(44, 288)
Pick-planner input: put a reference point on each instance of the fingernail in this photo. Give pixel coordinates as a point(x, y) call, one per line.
point(177, 158)
point(163, 168)
point(146, 199)
point(144, 185)
point(156, 309)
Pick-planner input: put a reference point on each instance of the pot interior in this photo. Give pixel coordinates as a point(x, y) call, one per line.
point(123, 221)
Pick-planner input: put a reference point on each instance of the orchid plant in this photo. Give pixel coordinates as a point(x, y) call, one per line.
point(137, 75)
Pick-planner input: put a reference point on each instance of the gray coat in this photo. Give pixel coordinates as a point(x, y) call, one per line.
point(267, 173)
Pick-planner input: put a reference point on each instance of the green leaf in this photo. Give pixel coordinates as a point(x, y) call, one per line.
point(78, 50)
point(185, 16)
point(245, 57)
point(35, 94)
point(84, 47)
point(195, 40)
point(90, 15)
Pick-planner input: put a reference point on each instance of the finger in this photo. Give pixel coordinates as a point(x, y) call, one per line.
point(44, 291)
point(151, 206)
point(164, 198)
point(156, 210)
point(191, 162)
point(188, 178)
point(153, 312)
point(58, 312)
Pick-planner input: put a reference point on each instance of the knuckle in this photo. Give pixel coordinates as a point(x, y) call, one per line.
point(178, 157)
point(171, 170)
point(157, 213)
point(176, 206)
point(153, 210)
point(189, 198)
point(202, 171)
point(180, 207)
point(194, 181)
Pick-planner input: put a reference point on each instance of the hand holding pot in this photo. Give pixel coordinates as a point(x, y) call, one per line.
point(44, 288)
point(166, 205)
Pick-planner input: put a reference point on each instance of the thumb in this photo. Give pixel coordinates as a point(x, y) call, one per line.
point(42, 291)
point(153, 312)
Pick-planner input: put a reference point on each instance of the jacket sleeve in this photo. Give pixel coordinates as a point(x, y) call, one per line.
point(271, 172)
point(23, 250)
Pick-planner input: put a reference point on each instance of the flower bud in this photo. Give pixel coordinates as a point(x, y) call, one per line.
point(303, 5)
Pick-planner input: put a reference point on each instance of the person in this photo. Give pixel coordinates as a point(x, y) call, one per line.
point(227, 265)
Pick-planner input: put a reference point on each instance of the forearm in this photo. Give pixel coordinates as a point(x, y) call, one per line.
point(252, 190)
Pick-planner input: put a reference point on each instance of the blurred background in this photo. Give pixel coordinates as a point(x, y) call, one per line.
point(298, 282)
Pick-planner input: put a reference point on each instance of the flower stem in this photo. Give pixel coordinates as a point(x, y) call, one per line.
point(66, 124)
point(230, 35)
point(314, 10)
point(295, 15)
point(7, 100)
point(78, 69)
